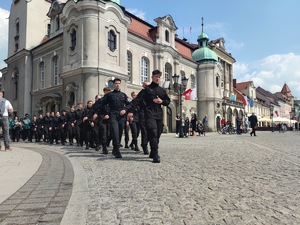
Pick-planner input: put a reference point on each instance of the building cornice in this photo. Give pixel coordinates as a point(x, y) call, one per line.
point(49, 90)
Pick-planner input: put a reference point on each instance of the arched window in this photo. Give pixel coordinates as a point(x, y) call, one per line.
point(71, 99)
point(55, 70)
point(112, 40)
point(129, 64)
point(110, 84)
point(144, 69)
point(182, 75)
point(73, 40)
point(217, 81)
point(15, 77)
point(167, 36)
point(42, 75)
point(17, 27)
point(57, 23)
point(193, 81)
point(168, 72)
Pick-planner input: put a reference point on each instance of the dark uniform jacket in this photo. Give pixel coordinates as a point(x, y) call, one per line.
point(148, 94)
point(78, 116)
point(71, 117)
point(116, 100)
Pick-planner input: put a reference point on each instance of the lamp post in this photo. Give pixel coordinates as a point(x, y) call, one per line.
point(271, 110)
point(180, 88)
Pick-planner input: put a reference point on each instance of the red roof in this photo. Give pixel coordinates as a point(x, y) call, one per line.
point(148, 32)
point(285, 89)
point(243, 85)
point(141, 29)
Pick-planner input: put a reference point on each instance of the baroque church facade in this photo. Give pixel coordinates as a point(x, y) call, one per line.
point(64, 52)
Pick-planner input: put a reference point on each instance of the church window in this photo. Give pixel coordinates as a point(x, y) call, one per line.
point(129, 64)
point(193, 81)
point(168, 71)
point(110, 84)
point(144, 69)
point(167, 36)
point(48, 29)
point(112, 40)
point(57, 23)
point(217, 81)
point(55, 70)
point(42, 75)
point(15, 77)
point(73, 40)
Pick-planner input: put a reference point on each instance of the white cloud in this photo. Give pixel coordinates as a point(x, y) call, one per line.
point(137, 13)
point(240, 69)
point(272, 72)
point(4, 14)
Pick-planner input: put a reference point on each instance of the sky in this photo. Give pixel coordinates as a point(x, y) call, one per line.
point(262, 36)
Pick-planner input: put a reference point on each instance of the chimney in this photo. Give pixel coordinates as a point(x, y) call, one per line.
point(234, 83)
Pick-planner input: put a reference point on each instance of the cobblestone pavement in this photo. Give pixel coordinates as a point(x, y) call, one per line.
point(216, 179)
point(44, 198)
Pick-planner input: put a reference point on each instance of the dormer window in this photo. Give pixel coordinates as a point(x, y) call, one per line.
point(73, 40)
point(57, 23)
point(167, 36)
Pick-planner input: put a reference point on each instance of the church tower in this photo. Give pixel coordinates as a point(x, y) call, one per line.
point(28, 24)
point(208, 81)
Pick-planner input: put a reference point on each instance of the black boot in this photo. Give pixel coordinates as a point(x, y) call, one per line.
point(97, 148)
point(131, 145)
point(118, 153)
point(126, 144)
point(145, 149)
point(156, 158)
point(104, 149)
point(87, 145)
point(151, 155)
point(136, 147)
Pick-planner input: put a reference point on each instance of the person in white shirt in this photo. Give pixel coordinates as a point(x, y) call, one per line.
point(5, 109)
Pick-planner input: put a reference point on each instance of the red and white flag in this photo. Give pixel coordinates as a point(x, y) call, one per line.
point(276, 112)
point(244, 100)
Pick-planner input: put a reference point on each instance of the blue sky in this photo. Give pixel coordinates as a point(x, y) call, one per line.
point(262, 36)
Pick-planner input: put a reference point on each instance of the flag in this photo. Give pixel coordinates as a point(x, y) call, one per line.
point(193, 94)
point(251, 102)
point(233, 97)
point(244, 100)
point(276, 112)
point(187, 94)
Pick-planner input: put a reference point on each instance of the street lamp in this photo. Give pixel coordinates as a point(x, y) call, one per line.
point(271, 110)
point(180, 88)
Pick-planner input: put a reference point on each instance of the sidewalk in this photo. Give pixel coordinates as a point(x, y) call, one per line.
point(16, 168)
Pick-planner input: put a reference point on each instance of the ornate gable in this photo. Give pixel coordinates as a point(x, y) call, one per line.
point(55, 8)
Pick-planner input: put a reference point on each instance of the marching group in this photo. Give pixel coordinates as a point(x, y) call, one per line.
point(102, 121)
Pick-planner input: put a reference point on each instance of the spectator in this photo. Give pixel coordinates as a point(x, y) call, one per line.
point(205, 124)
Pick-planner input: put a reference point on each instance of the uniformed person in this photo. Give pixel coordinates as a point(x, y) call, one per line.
point(71, 120)
point(62, 124)
point(86, 128)
point(78, 124)
point(51, 128)
point(46, 126)
point(117, 101)
point(144, 139)
point(134, 124)
point(154, 96)
point(40, 128)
